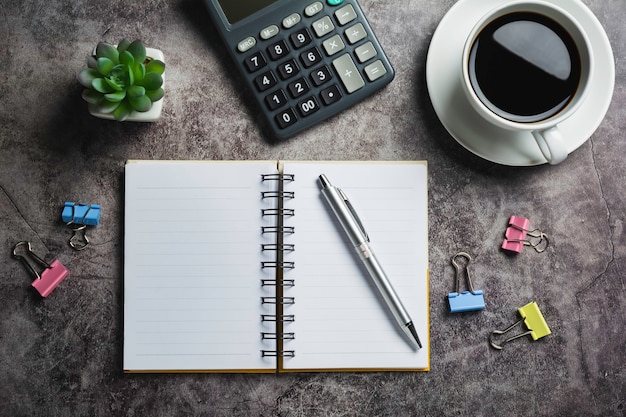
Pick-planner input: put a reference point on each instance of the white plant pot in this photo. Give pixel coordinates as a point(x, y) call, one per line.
point(151, 115)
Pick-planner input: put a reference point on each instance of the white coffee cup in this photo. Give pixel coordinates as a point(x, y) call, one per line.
point(545, 130)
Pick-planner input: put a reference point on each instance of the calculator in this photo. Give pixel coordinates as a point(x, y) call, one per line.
point(303, 60)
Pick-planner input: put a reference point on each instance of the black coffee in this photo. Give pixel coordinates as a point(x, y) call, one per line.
point(525, 67)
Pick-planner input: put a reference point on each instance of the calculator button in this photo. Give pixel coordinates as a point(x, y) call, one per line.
point(246, 44)
point(291, 20)
point(313, 9)
point(330, 95)
point(375, 70)
point(278, 50)
point(323, 26)
point(355, 33)
point(334, 2)
point(321, 76)
point(298, 88)
point(288, 69)
point(255, 62)
point(310, 57)
point(345, 15)
point(365, 52)
point(276, 99)
point(300, 38)
point(333, 45)
point(269, 32)
point(286, 118)
point(348, 73)
point(308, 106)
point(265, 81)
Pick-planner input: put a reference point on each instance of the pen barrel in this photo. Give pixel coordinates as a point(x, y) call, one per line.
point(383, 285)
point(343, 214)
point(359, 240)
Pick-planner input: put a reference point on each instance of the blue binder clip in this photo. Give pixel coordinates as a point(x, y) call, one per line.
point(471, 300)
point(82, 214)
point(78, 216)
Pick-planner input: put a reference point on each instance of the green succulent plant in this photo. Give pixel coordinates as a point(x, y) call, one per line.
point(122, 79)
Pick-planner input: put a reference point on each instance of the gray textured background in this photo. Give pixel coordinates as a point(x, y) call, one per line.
point(62, 356)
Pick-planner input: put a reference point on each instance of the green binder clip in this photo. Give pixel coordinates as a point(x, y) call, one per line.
point(534, 321)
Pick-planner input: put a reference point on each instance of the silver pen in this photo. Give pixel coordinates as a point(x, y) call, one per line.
point(353, 227)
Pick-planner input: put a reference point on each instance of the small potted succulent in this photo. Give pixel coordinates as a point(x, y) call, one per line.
point(124, 82)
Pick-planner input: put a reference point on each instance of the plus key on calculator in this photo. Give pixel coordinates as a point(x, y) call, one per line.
point(303, 60)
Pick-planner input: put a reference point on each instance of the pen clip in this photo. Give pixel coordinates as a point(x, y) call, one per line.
point(353, 212)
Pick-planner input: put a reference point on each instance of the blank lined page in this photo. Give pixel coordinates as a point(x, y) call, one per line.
point(192, 266)
point(341, 322)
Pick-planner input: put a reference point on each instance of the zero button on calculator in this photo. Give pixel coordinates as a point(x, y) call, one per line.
point(303, 60)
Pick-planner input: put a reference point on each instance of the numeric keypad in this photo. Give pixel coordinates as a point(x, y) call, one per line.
point(313, 58)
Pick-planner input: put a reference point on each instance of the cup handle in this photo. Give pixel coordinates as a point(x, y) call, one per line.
point(551, 144)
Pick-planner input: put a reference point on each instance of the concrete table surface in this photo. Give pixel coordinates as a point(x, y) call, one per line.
point(62, 356)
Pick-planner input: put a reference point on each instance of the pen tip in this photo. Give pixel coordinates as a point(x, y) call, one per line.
point(414, 335)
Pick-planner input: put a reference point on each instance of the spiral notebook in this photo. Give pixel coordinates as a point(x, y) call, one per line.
point(240, 266)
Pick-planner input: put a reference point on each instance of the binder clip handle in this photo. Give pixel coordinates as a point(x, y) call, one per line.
point(79, 239)
point(539, 241)
point(500, 332)
point(29, 254)
point(542, 244)
point(457, 273)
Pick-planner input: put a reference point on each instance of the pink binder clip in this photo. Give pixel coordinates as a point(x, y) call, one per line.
point(50, 277)
point(518, 235)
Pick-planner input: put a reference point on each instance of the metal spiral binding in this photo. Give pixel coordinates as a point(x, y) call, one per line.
point(278, 177)
point(285, 247)
point(278, 212)
point(274, 264)
point(278, 194)
point(278, 300)
point(274, 353)
point(280, 247)
point(275, 336)
point(276, 229)
point(277, 282)
point(272, 317)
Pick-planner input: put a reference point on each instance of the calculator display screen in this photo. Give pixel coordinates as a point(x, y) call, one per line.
point(235, 10)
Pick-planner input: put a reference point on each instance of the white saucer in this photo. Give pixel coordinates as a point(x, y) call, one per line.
point(443, 76)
